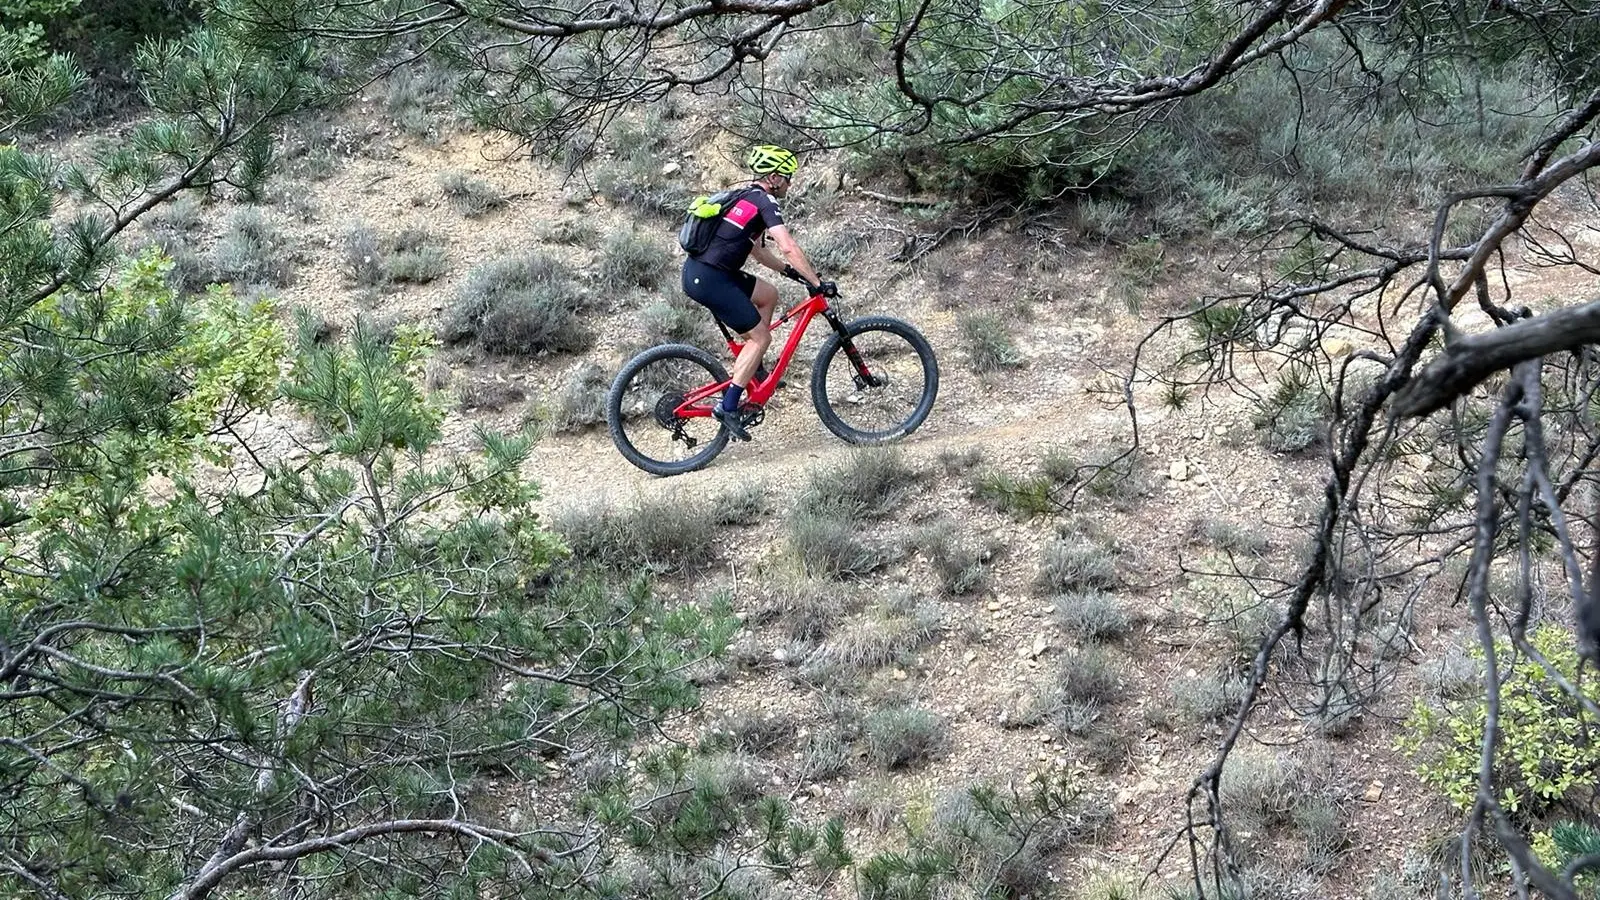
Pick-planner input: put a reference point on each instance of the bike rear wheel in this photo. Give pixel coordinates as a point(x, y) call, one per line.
point(880, 392)
point(640, 410)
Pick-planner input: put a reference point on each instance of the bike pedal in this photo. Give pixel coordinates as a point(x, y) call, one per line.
point(751, 414)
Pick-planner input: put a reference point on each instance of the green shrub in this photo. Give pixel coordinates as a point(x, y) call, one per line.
point(1564, 842)
point(252, 251)
point(1545, 756)
point(1294, 416)
point(471, 197)
point(986, 338)
point(1022, 497)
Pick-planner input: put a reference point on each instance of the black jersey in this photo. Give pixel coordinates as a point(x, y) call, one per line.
point(742, 225)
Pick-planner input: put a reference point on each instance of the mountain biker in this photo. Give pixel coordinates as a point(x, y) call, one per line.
point(715, 278)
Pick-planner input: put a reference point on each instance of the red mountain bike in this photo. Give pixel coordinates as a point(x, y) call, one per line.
point(874, 381)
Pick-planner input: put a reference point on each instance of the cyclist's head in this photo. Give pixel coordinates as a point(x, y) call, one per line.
point(773, 166)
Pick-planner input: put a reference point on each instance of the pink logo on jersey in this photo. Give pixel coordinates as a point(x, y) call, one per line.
point(742, 213)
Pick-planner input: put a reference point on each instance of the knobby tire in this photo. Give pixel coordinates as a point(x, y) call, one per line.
point(890, 348)
point(637, 394)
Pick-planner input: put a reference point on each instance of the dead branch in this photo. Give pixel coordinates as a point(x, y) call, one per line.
point(1468, 360)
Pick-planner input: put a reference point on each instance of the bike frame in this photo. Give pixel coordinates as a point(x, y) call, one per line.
point(760, 391)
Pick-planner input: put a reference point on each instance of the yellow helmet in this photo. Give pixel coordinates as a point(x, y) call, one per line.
point(768, 158)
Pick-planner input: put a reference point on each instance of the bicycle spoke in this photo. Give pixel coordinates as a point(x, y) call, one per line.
point(646, 408)
point(883, 393)
point(896, 376)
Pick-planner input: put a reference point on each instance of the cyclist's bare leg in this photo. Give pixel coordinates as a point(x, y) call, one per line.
point(757, 339)
point(765, 298)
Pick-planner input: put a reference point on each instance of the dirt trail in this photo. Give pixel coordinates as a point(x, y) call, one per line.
point(586, 468)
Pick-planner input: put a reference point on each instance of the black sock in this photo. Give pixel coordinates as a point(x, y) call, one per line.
point(730, 400)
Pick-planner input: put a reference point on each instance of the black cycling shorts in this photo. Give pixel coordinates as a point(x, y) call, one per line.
point(726, 294)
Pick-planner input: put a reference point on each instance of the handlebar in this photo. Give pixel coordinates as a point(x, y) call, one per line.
point(790, 273)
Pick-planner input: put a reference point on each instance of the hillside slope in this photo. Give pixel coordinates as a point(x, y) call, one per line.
point(1040, 623)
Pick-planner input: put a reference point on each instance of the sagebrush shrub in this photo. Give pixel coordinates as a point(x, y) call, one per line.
point(1075, 563)
point(631, 260)
point(520, 305)
point(472, 197)
point(1092, 615)
point(581, 400)
point(897, 737)
point(668, 533)
point(986, 338)
point(1294, 416)
point(871, 483)
point(253, 251)
point(831, 545)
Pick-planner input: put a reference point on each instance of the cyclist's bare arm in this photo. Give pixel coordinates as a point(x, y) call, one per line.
point(766, 257)
point(790, 248)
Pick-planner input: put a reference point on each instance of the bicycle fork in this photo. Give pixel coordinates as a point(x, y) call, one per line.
point(863, 376)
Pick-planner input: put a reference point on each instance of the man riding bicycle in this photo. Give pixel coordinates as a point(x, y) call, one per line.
point(715, 278)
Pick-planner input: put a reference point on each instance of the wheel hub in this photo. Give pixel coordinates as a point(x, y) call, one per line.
point(667, 410)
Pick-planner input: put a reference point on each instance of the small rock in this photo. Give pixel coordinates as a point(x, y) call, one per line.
point(1374, 792)
point(1337, 347)
point(1179, 470)
point(671, 168)
point(994, 606)
point(780, 655)
point(1040, 645)
point(898, 674)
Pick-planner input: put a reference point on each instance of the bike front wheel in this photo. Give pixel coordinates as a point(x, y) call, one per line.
point(876, 382)
point(644, 410)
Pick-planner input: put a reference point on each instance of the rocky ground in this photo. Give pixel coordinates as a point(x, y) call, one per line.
point(1144, 645)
